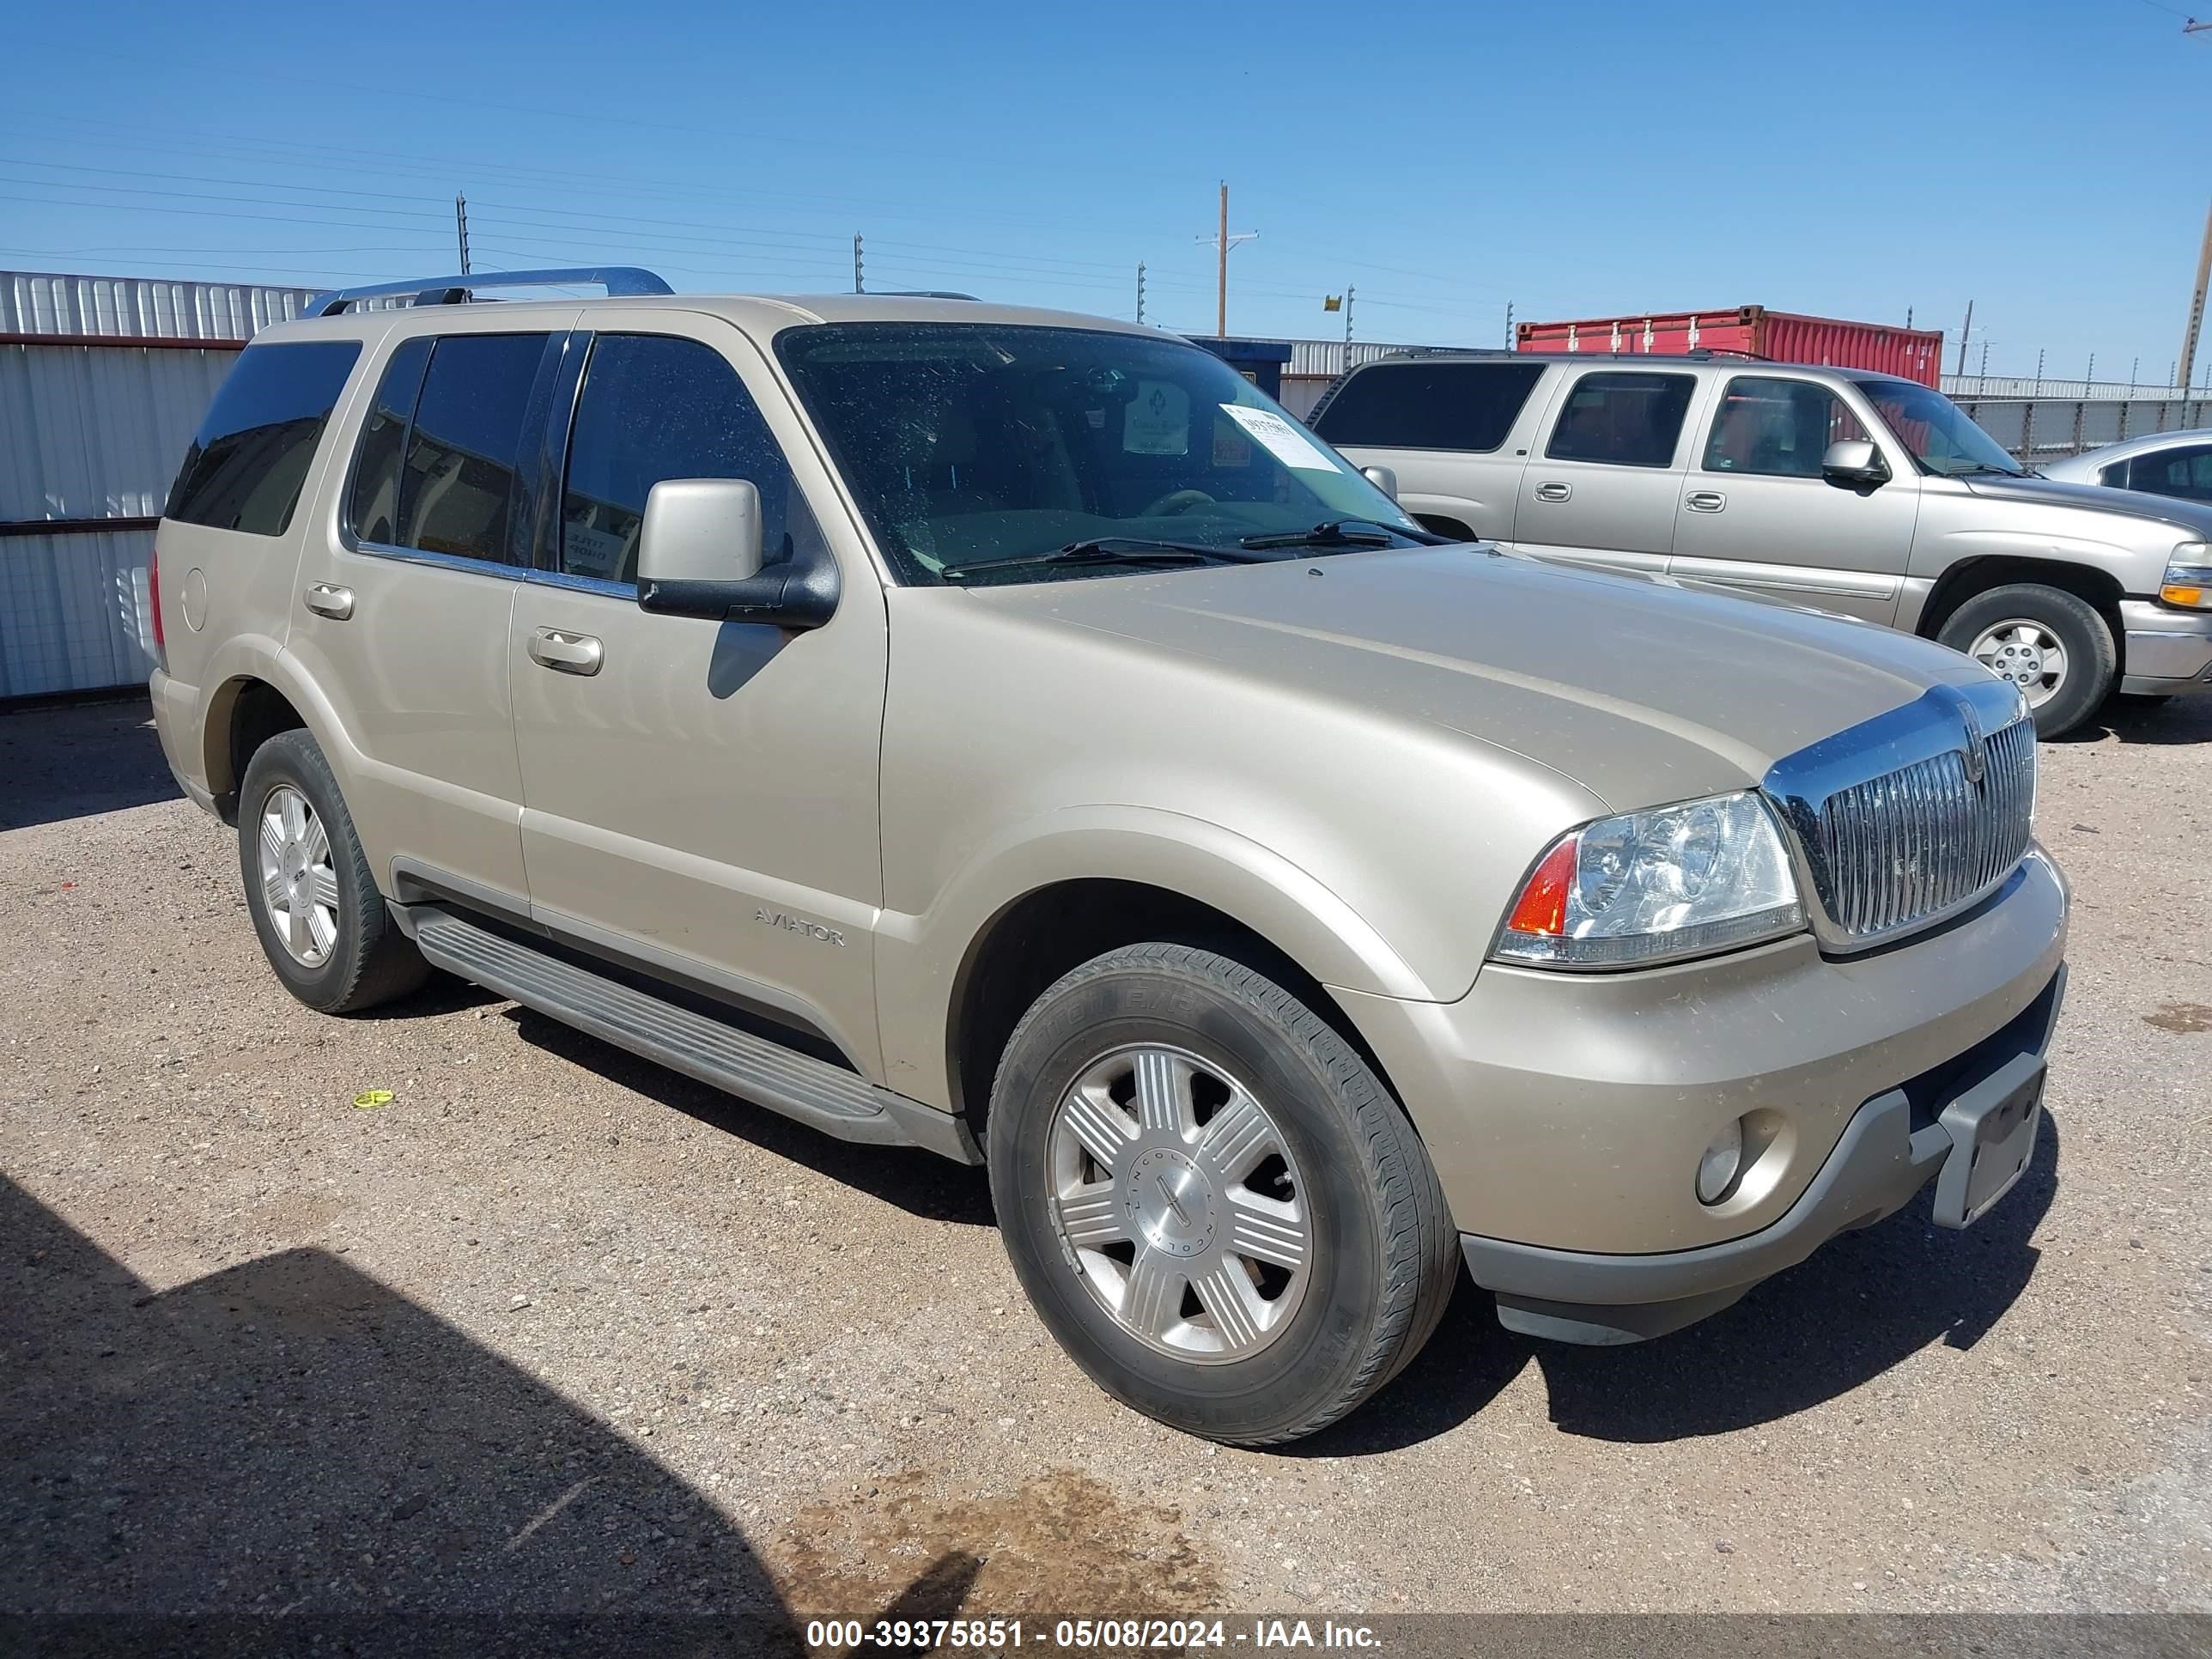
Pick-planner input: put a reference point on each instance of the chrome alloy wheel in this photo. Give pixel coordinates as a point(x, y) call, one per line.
point(2026, 652)
point(298, 883)
point(1179, 1200)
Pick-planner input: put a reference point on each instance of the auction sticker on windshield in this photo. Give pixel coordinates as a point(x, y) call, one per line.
point(1157, 422)
point(1283, 440)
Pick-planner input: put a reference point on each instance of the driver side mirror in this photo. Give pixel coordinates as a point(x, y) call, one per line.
point(1854, 463)
point(1383, 478)
point(700, 552)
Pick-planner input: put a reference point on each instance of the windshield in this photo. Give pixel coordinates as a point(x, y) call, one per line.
point(1941, 436)
point(981, 450)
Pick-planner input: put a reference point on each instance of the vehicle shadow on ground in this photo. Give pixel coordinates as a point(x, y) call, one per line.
point(78, 760)
point(2180, 719)
point(1862, 1304)
point(919, 1182)
point(291, 1437)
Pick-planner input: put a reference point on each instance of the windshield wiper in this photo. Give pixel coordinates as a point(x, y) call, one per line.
point(1340, 532)
point(1108, 549)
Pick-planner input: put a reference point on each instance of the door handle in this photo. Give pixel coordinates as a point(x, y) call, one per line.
point(1554, 492)
point(567, 654)
point(328, 600)
point(1704, 501)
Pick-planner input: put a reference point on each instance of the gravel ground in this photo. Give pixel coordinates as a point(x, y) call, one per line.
point(556, 1330)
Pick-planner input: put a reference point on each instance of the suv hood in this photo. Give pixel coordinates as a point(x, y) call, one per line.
point(2133, 503)
point(1640, 689)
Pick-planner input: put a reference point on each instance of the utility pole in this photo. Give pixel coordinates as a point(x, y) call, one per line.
point(1964, 334)
point(2196, 295)
point(1908, 316)
point(1986, 356)
point(1222, 241)
point(1508, 325)
point(858, 286)
point(1141, 291)
point(1348, 325)
point(2038, 373)
point(2089, 376)
point(461, 229)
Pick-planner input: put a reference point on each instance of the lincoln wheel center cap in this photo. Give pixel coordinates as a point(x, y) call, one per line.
point(1169, 1199)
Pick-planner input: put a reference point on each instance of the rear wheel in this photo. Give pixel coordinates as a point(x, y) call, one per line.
point(324, 928)
point(1214, 1203)
point(2052, 644)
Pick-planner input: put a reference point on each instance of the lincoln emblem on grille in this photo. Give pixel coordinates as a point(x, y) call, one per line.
point(1977, 747)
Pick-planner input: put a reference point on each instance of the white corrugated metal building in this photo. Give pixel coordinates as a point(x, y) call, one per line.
point(103, 380)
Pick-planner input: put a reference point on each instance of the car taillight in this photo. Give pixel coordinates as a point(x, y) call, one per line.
point(153, 601)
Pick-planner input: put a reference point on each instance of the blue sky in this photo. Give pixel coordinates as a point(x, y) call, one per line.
point(2045, 160)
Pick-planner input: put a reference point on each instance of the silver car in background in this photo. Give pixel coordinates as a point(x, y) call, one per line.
point(2175, 464)
point(1842, 490)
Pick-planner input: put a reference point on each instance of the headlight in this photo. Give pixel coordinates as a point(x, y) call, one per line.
point(1648, 887)
point(2188, 581)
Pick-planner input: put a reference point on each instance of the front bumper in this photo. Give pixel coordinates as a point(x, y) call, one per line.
point(1922, 1130)
point(2167, 651)
point(1568, 1111)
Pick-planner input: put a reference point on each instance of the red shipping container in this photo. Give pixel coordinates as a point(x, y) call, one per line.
point(1779, 336)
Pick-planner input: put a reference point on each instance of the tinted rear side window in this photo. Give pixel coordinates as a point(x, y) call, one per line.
point(1469, 406)
point(1625, 418)
point(250, 458)
point(457, 475)
point(2186, 474)
point(372, 509)
point(656, 407)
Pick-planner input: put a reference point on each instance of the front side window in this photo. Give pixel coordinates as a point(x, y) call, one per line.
point(1622, 418)
point(983, 450)
point(436, 467)
point(1429, 405)
point(1778, 428)
point(249, 457)
point(2183, 473)
point(655, 407)
point(1942, 436)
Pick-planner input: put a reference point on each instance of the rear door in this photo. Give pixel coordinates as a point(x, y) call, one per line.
point(403, 599)
point(1602, 488)
point(1452, 430)
point(1756, 513)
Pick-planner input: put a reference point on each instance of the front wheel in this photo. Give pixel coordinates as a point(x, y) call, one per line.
point(1209, 1196)
point(2052, 644)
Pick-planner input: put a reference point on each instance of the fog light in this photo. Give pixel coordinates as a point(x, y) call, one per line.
point(1716, 1170)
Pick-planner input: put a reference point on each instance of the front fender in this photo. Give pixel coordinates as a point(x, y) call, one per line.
point(922, 960)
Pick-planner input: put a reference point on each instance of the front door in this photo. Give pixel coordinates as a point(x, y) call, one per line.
point(1757, 515)
point(700, 797)
point(1601, 490)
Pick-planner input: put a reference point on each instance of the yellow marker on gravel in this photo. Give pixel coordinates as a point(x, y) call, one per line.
point(369, 1099)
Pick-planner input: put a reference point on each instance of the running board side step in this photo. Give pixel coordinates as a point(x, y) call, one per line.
point(822, 1095)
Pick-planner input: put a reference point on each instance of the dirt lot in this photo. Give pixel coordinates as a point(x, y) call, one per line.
point(556, 1329)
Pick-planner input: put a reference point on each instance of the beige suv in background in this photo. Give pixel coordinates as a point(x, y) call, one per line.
point(1851, 491)
point(1003, 733)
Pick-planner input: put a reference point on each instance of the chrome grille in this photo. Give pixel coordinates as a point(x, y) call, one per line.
point(1903, 847)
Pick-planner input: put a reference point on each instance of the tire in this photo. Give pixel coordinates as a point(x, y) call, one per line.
point(2091, 659)
point(1292, 1348)
point(360, 958)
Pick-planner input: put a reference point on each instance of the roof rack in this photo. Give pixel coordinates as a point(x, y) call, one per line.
point(621, 282)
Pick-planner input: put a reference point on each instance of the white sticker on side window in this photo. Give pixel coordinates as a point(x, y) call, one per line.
point(1279, 438)
point(1157, 422)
